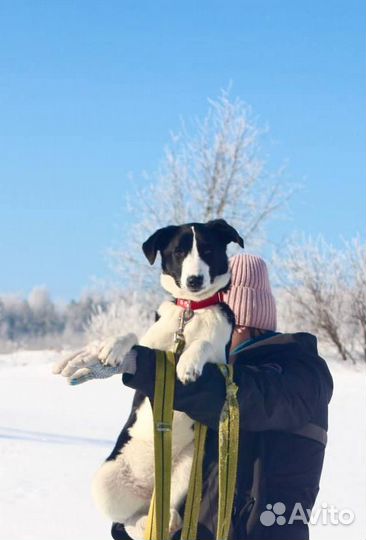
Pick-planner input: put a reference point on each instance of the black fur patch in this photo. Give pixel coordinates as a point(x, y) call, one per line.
point(124, 436)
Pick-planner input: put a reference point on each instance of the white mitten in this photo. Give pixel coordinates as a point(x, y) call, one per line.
point(99, 360)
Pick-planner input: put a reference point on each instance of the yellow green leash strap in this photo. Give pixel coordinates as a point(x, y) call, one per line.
point(159, 513)
point(228, 453)
point(193, 500)
point(150, 531)
point(228, 460)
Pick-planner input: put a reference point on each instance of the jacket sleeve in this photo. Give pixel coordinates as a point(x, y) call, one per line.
point(273, 396)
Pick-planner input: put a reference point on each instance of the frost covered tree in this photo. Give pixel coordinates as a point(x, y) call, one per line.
point(78, 313)
point(36, 321)
point(219, 171)
point(45, 319)
point(123, 313)
point(15, 318)
point(355, 259)
point(322, 290)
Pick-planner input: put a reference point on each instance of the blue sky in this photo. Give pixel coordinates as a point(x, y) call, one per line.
point(89, 92)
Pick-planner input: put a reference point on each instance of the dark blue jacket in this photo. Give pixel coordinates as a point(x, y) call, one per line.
point(283, 385)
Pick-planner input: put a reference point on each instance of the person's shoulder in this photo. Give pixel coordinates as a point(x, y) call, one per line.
point(301, 340)
point(303, 346)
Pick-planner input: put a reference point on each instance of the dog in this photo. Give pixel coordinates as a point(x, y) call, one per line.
point(195, 268)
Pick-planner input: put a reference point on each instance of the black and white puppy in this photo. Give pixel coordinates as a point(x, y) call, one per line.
point(195, 268)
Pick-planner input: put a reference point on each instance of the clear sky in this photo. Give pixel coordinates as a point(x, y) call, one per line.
point(89, 92)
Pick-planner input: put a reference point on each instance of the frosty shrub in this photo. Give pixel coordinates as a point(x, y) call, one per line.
point(322, 289)
point(125, 313)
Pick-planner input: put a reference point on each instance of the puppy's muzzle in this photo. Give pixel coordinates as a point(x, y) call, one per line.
point(194, 283)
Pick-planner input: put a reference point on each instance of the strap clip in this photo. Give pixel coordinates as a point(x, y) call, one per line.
point(163, 426)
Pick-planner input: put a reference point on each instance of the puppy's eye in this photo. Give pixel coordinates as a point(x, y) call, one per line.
point(207, 251)
point(179, 252)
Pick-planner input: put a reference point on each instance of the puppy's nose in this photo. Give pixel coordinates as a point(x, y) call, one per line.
point(194, 282)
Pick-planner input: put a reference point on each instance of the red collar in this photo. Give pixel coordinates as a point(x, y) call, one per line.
point(212, 300)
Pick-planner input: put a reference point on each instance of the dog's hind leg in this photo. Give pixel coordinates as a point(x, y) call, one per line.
point(179, 486)
point(115, 493)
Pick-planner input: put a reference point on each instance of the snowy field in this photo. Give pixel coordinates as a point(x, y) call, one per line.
point(53, 437)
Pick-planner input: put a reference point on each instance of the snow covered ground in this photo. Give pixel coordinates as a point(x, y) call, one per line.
point(53, 437)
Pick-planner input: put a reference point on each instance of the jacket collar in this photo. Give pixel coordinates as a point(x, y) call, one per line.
point(251, 341)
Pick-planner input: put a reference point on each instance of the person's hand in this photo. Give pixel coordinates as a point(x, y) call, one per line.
point(99, 360)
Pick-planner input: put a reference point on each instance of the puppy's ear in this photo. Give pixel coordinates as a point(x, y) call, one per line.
point(157, 242)
point(225, 231)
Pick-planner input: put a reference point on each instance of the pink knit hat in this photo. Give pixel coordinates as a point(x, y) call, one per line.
point(250, 296)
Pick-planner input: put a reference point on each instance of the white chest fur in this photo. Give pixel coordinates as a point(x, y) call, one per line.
point(207, 325)
point(206, 336)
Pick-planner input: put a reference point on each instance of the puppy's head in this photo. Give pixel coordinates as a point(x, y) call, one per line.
point(193, 257)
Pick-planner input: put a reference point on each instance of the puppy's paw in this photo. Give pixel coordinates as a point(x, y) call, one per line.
point(113, 350)
point(175, 522)
point(189, 367)
point(136, 528)
point(139, 528)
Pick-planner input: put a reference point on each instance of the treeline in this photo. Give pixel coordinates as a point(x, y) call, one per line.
point(38, 322)
point(319, 289)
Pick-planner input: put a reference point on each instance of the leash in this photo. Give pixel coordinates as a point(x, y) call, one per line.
point(228, 453)
point(194, 494)
point(228, 463)
point(157, 527)
point(159, 512)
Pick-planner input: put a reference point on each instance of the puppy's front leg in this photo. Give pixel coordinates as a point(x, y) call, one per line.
point(193, 359)
point(158, 337)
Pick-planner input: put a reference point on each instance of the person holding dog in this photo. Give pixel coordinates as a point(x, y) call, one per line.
point(284, 388)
